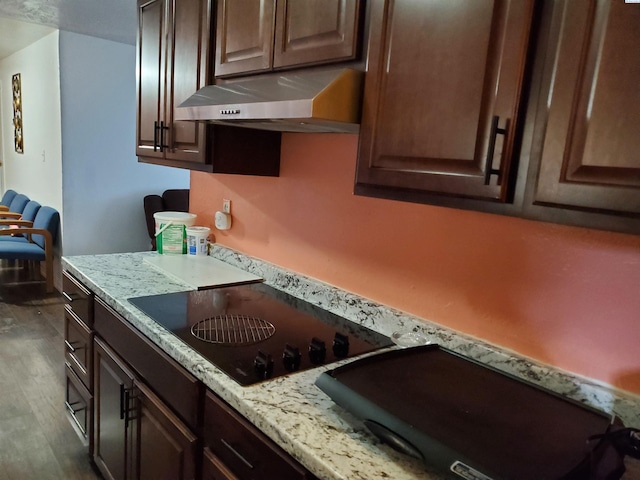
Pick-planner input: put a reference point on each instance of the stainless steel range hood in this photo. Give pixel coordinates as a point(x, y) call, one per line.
point(309, 101)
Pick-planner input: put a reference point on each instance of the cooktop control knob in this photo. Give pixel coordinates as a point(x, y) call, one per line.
point(317, 351)
point(263, 365)
point(341, 345)
point(291, 358)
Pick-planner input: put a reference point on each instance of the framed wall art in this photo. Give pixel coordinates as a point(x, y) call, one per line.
point(17, 112)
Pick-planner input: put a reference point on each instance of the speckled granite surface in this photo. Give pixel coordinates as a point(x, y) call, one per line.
point(291, 410)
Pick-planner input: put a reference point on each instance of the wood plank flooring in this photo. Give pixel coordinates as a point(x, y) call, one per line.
point(37, 441)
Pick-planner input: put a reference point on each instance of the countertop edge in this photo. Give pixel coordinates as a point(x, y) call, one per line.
point(309, 404)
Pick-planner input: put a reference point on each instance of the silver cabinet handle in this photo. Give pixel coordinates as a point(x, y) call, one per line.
point(71, 348)
point(237, 454)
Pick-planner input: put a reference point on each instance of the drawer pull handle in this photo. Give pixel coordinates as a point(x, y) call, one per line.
point(71, 348)
point(67, 297)
point(72, 410)
point(237, 454)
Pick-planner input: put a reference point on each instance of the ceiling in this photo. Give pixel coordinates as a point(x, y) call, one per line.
point(22, 22)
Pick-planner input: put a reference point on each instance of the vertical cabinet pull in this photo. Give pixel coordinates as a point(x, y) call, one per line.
point(155, 136)
point(163, 127)
point(494, 132)
point(158, 136)
point(126, 399)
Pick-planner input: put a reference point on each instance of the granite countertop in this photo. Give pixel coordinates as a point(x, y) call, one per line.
point(291, 410)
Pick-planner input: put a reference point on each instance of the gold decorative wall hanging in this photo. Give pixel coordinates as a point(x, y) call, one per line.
point(17, 112)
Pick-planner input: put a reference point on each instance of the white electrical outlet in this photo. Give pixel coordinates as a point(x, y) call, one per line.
point(222, 221)
point(226, 206)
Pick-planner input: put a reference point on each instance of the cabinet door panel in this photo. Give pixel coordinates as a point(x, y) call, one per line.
point(150, 75)
point(166, 447)
point(315, 31)
point(590, 154)
point(113, 434)
point(244, 36)
point(187, 71)
point(439, 72)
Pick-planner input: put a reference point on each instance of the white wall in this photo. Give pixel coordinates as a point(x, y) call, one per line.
point(103, 183)
point(38, 171)
point(79, 107)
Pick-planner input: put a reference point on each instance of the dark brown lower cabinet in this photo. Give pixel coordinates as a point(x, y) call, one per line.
point(113, 385)
point(136, 435)
point(166, 448)
point(78, 343)
point(214, 469)
point(79, 403)
point(238, 450)
point(151, 417)
point(78, 355)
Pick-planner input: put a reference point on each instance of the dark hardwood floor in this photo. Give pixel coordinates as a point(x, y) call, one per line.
point(37, 441)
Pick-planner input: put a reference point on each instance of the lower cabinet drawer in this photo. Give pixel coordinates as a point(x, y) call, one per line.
point(79, 406)
point(78, 347)
point(245, 451)
point(180, 390)
point(213, 468)
point(78, 297)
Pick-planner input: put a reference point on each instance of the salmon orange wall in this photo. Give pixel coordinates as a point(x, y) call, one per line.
point(567, 296)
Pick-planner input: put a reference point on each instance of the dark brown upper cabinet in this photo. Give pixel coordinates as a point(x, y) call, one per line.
point(173, 58)
point(255, 36)
point(172, 63)
point(590, 112)
point(442, 97)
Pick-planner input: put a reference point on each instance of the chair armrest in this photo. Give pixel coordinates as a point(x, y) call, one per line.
point(4, 208)
point(25, 231)
point(10, 215)
point(48, 239)
point(20, 223)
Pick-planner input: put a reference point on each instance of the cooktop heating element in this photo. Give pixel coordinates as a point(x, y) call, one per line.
point(233, 330)
point(255, 332)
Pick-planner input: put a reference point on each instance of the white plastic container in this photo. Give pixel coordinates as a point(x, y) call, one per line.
point(197, 241)
point(171, 235)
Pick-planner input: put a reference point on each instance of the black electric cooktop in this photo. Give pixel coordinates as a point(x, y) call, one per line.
point(255, 332)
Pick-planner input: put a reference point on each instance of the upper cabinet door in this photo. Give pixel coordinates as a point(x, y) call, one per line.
point(442, 96)
point(591, 152)
point(189, 33)
point(315, 31)
point(244, 36)
point(150, 76)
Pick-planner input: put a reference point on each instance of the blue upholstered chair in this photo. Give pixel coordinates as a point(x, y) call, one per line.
point(18, 203)
point(16, 220)
point(28, 215)
point(6, 199)
point(37, 242)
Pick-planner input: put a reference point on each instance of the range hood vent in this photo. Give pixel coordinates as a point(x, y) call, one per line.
point(310, 101)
